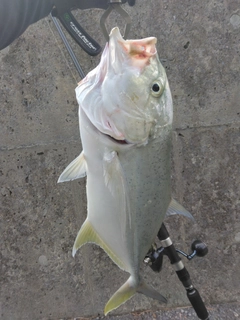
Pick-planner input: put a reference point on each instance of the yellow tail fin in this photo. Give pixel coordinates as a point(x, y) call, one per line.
point(127, 290)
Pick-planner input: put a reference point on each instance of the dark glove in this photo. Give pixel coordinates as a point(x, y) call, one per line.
point(102, 4)
point(63, 6)
point(131, 2)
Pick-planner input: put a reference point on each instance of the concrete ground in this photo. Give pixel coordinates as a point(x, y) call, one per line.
point(199, 45)
point(228, 311)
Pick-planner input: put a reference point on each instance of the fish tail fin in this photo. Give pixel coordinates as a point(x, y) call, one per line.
point(150, 292)
point(127, 290)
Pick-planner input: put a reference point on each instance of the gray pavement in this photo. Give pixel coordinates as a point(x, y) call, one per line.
point(230, 311)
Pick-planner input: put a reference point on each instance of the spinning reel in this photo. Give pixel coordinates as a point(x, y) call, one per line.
point(154, 258)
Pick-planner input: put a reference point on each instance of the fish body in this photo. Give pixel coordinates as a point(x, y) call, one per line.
point(125, 114)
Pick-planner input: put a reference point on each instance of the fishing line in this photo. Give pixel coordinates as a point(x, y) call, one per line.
point(68, 47)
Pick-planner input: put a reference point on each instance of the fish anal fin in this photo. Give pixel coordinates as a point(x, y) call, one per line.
point(177, 208)
point(75, 170)
point(87, 234)
point(127, 290)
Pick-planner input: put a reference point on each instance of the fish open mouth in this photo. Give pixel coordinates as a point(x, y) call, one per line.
point(117, 141)
point(125, 142)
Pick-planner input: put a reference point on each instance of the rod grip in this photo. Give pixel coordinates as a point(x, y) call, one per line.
point(197, 303)
point(83, 39)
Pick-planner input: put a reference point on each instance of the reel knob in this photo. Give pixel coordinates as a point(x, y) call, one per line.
point(200, 248)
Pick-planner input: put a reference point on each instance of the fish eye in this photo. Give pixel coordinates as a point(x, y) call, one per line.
point(157, 89)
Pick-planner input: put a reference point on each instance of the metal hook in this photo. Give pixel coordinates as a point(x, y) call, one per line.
point(115, 5)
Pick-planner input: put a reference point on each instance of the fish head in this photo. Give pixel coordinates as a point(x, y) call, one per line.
point(127, 96)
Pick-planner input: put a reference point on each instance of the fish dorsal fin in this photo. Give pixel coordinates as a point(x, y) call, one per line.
point(177, 208)
point(88, 234)
point(75, 170)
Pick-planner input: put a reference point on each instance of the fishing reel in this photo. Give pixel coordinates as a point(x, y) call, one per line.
point(154, 259)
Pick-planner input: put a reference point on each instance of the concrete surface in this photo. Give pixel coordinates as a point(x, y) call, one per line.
point(216, 312)
point(199, 44)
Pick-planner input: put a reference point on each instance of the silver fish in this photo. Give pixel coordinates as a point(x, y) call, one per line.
point(125, 120)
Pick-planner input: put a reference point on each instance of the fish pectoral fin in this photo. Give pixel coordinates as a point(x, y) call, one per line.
point(116, 183)
point(75, 170)
point(113, 175)
point(127, 290)
point(177, 208)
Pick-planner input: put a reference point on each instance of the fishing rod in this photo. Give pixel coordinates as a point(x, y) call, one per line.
point(154, 257)
point(80, 35)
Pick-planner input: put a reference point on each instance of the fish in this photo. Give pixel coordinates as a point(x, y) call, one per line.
point(125, 119)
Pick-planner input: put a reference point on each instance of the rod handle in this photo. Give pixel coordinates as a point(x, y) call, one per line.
point(83, 39)
point(197, 303)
